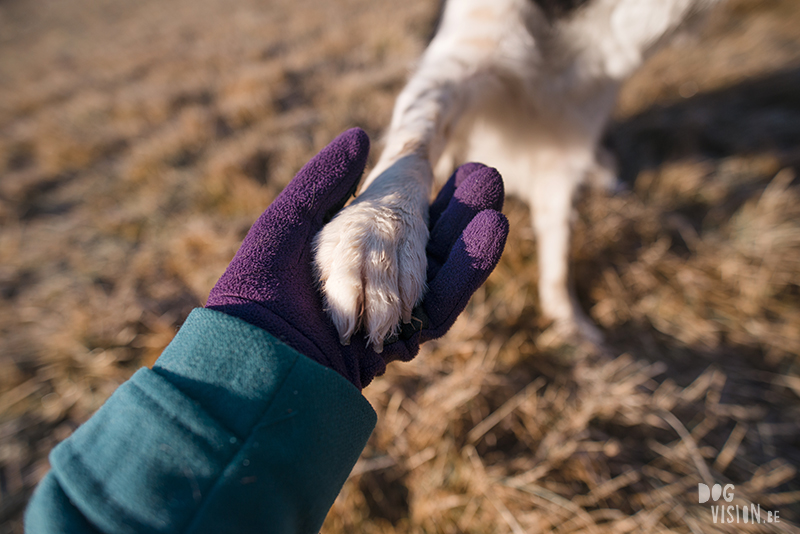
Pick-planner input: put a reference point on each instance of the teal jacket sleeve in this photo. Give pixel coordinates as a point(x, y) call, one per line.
point(231, 431)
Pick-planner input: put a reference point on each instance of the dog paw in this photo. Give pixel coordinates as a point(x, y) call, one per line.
point(370, 258)
point(576, 330)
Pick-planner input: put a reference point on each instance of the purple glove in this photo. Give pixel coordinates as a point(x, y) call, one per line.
point(270, 283)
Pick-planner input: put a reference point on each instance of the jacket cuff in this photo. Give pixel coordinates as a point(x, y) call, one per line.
point(231, 431)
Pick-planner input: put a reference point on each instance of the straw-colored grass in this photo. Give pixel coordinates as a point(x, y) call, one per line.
point(138, 142)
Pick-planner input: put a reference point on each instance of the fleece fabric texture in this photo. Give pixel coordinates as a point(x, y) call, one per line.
point(231, 431)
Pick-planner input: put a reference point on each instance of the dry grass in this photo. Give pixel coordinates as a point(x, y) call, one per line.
point(139, 142)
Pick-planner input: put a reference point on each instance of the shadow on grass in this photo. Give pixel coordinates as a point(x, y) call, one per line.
point(755, 116)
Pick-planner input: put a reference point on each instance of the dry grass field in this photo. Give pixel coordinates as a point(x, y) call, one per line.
point(139, 140)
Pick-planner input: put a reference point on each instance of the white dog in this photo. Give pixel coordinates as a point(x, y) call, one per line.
point(525, 86)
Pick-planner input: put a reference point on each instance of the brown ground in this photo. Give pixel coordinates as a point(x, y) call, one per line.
point(139, 140)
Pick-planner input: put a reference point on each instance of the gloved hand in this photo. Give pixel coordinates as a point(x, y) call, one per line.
point(270, 283)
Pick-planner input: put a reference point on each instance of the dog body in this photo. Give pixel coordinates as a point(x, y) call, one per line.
point(526, 86)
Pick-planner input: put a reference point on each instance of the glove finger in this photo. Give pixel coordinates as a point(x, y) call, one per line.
point(472, 258)
point(279, 236)
point(446, 193)
point(480, 190)
point(325, 183)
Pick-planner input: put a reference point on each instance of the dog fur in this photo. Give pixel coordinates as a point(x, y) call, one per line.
point(526, 86)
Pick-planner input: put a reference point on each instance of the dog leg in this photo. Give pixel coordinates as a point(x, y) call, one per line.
point(370, 259)
point(552, 209)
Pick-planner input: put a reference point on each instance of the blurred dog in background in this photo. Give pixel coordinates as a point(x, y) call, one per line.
point(526, 86)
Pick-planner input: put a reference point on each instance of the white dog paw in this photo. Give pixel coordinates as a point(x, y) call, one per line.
point(370, 258)
point(572, 331)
